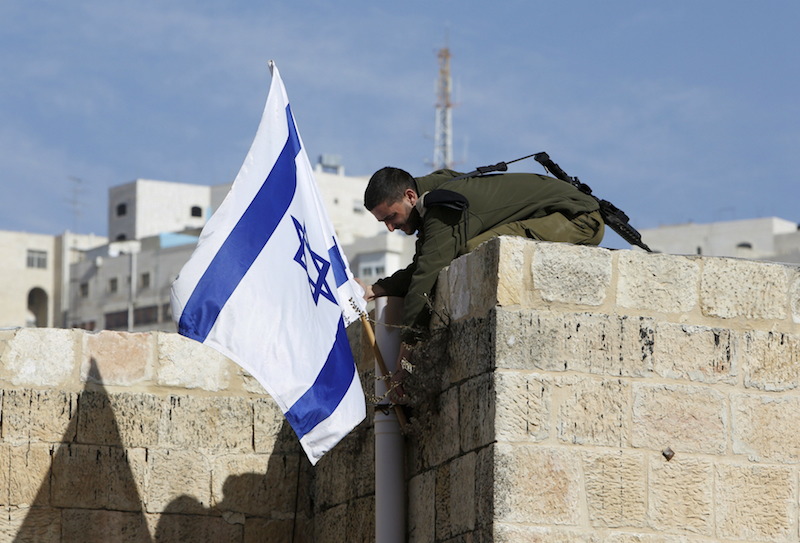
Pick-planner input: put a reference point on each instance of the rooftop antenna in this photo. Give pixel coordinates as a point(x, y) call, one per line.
point(443, 134)
point(75, 201)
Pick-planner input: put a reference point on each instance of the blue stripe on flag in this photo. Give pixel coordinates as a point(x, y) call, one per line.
point(327, 392)
point(244, 243)
point(337, 264)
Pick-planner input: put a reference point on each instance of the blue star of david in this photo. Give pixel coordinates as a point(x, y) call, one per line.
point(321, 266)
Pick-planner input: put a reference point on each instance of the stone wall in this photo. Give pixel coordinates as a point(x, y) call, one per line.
point(579, 394)
point(152, 437)
point(567, 394)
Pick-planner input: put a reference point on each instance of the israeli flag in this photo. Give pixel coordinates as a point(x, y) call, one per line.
point(269, 287)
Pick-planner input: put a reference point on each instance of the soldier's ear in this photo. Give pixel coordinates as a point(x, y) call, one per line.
point(411, 195)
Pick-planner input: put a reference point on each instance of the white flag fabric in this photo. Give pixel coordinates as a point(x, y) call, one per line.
point(269, 287)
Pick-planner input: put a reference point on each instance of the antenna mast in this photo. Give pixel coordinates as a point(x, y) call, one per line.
point(443, 135)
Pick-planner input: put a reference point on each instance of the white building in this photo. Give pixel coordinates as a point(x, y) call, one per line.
point(33, 276)
point(769, 238)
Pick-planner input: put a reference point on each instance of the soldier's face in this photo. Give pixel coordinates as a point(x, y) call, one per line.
point(399, 215)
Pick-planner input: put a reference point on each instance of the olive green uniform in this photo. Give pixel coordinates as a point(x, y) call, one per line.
point(522, 204)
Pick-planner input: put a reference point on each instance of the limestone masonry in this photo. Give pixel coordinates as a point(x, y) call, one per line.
point(567, 394)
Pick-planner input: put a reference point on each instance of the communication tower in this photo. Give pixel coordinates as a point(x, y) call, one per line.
point(443, 135)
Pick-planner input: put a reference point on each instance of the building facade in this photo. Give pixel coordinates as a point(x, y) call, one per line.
point(35, 276)
point(769, 238)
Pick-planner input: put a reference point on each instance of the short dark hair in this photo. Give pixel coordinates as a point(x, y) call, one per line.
point(387, 185)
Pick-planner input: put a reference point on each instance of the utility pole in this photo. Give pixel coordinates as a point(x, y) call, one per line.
point(443, 135)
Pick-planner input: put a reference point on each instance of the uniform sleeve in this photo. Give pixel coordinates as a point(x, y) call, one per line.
point(398, 283)
point(435, 250)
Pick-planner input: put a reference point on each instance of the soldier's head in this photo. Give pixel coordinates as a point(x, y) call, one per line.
point(390, 196)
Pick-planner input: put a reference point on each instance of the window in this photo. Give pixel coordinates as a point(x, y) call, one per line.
point(145, 315)
point(144, 280)
point(84, 289)
point(197, 211)
point(122, 210)
point(113, 285)
point(37, 259)
point(121, 237)
point(116, 320)
point(745, 245)
point(166, 313)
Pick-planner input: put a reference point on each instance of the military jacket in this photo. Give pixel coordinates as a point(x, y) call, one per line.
point(494, 200)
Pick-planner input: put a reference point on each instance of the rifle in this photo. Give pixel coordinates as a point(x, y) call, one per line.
point(613, 216)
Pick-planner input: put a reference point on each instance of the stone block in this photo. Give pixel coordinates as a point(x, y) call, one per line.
point(188, 528)
point(684, 418)
point(441, 438)
point(263, 530)
point(616, 489)
point(121, 419)
point(623, 537)
point(659, 283)
point(38, 416)
point(207, 422)
point(572, 274)
point(592, 411)
point(771, 360)
point(522, 406)
point(743, 288)
point(179, 481)
point(484, 488)
point(186, 363)
point(514, 281)
point(510, 533)
point(469, 351)
point(593, 343)
point(755, 503)
point(117, 358)
point(31, 524)
point(455, 497)
point(468, 286)
point(5, 468)
point(40, 357)
point(28, 474)
point(269, 426)
point(258, 485)
point(681, 498)
point(361, 520)
point(537, 485)
point(103, 526)
point(331, 524)
point(759, 427)
point(422, 507)
point(695, 353)
point(794, 296)
point(477, 412)
point(97, 477)
point(346, 471)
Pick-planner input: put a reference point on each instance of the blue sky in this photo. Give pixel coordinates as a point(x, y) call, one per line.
point(675, 111)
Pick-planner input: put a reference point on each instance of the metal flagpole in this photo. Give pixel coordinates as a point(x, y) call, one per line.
point(390, 495)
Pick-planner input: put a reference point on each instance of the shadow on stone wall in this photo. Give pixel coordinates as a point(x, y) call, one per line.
point(273, 506)
point(89, 491)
